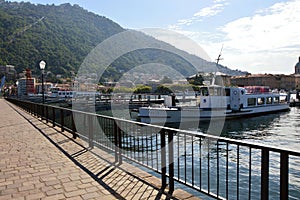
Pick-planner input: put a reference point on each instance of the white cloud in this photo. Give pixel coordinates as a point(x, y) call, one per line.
point(267, 42)
point(185, 22)
point(266, 31)
point(209, 11)
point(271, 36)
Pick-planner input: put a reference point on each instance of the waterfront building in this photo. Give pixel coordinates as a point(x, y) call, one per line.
point(26, 86)
point(274, 81)
point(9, 72)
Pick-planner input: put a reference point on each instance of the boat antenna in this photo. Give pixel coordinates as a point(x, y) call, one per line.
point(217, 63)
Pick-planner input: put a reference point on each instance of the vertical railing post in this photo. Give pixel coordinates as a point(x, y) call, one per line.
point(47, 114)
point(118, 142)
point(115, 129)
point(284, 175)
point(120, 145)
point(171, 161)
point(62, 120)
point(163, 158)
point(30, 108)
point(265, 174)
point(91, 130)
point(53, 116)
point(36, 110)
point(43, 112)
point(73, 125)
point(39, 111)
point(33, 106)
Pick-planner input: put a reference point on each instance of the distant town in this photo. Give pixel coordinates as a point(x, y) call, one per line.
point(25, 83)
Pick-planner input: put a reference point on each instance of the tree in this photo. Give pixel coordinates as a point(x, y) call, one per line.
point(197, 80)
point(161, 89)
point(141, 89)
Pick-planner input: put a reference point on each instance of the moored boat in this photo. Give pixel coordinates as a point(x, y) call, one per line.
point(217, 102)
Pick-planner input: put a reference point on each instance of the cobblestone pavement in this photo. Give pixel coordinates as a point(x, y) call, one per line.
point(39, 162)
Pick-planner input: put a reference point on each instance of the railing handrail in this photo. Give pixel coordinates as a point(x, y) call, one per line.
point(192, 133)
point(165, 142)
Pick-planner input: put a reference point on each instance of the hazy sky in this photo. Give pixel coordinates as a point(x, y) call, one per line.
point(259, 36)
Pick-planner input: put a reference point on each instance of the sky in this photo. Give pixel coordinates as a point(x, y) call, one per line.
point(258, 36)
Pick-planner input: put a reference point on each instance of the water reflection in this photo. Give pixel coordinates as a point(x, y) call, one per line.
point(279, 129)
point(196, 158)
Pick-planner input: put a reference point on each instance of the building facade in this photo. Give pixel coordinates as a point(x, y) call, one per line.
point(9, 72)
point(274, 81)
point(26, 86)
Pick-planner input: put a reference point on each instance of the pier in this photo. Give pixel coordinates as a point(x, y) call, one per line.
point(39, 161)
point(218, 167)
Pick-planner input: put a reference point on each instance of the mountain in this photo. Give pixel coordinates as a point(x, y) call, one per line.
point(64, 36)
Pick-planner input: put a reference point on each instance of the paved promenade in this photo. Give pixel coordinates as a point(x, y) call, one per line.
point(39, 162)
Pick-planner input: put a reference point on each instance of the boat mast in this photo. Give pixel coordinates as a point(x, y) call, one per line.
point(217, 63)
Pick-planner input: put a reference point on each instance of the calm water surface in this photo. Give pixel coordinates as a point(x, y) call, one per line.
point(280, 130)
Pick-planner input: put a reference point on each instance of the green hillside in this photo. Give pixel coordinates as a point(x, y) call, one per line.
point(64, 35)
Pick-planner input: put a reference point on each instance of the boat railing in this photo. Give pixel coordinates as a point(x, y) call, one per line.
point(219, 167)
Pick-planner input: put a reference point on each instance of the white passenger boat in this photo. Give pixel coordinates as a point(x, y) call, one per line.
point(218, 102)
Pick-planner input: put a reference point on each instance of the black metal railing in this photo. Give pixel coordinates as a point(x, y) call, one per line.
point(220, 167)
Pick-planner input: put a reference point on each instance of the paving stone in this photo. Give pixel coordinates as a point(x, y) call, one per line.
point(32, 167)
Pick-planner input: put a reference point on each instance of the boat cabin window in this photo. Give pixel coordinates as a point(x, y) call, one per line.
point(204, 91)
point(216, 91)
point(260, 101)
point(269, 100)
point(227, 92)
point(251, 101)
point(276, 99)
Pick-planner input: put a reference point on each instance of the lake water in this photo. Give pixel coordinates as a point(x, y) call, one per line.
point(280, 130)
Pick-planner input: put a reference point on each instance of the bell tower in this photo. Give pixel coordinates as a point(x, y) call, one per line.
point(297, 67)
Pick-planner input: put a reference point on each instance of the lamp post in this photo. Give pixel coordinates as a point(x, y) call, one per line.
point(42, 67)
point(17, 84)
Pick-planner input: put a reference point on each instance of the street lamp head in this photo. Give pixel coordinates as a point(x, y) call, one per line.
point(42, 65)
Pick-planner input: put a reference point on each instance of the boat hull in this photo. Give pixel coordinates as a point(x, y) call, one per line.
point(179, 114)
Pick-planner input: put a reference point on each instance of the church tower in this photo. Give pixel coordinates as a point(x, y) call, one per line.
point(297, 67)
